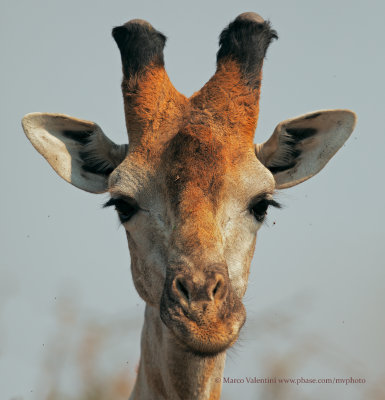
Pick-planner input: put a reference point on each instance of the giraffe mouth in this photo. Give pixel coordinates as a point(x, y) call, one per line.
point(206, 333)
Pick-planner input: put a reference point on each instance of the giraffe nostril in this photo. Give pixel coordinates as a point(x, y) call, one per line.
point(218, 288)
point(182, 290)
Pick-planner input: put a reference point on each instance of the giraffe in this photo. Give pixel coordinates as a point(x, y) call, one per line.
point(191, 190)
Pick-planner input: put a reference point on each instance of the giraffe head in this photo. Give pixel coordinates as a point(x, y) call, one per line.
point(191, 188)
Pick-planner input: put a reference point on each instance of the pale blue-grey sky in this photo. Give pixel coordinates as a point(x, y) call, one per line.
point(320, 260)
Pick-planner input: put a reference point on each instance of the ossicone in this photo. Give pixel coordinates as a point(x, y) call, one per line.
point(140, 44)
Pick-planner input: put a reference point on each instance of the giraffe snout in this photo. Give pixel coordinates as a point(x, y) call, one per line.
point(201, 309)
point(198, 292)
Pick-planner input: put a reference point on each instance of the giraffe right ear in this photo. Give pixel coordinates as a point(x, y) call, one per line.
point(300, 147)
point(76, 149)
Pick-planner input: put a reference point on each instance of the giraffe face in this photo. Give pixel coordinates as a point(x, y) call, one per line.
point(191, 188)
point(191, 209)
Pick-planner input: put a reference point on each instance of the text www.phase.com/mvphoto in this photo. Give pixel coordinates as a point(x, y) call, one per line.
point(295, 381)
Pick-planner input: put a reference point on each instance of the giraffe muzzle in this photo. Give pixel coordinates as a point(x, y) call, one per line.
point(201, 309)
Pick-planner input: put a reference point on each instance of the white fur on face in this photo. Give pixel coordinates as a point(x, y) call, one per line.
point(150, 231)
point(240, 227)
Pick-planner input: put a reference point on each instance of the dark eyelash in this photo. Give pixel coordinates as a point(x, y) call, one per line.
point(111, 202)
point(125, 208)
point(273, 203)
point(259, 206)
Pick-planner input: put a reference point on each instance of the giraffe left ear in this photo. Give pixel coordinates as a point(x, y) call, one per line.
point(76, 149)
point(300, 147)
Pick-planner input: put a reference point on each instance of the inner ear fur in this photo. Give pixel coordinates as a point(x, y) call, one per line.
point(76, 149)
point(300, 147)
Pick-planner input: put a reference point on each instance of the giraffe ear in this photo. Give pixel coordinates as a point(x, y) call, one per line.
point(76, 149)
point(300, 147)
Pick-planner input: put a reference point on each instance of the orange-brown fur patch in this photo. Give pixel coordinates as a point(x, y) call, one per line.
point(152, 106)
point(230, 101)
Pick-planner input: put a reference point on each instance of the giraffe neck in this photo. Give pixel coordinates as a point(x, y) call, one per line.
point(167, 371)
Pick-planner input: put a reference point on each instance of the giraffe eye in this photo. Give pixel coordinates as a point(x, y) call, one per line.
point(259, 206)
point(259, 210)
point(126, 209)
